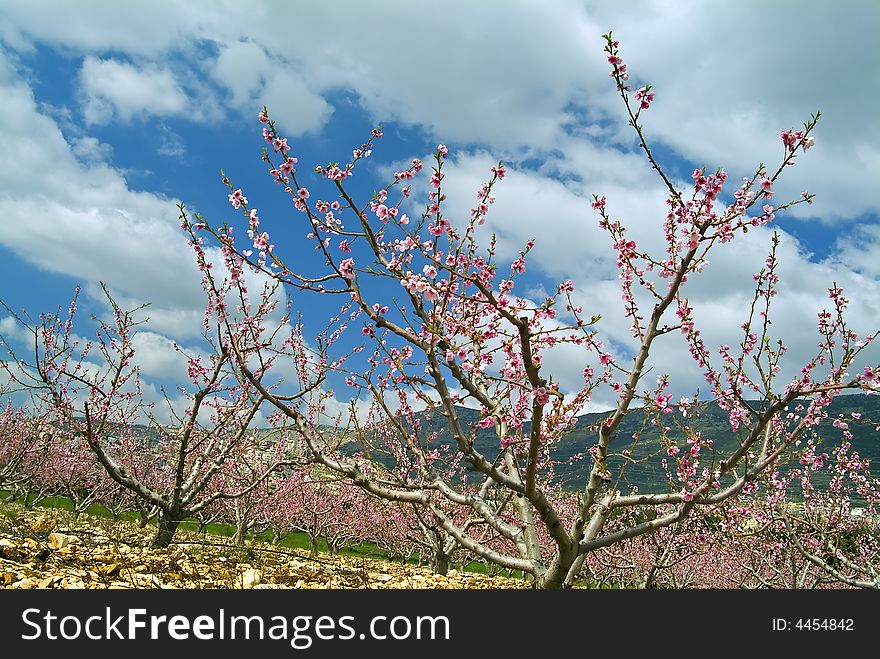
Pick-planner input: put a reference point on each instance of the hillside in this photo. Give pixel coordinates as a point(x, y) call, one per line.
point(644, 470)
point(648, 474)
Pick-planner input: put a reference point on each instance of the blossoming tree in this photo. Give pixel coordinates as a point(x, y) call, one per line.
point(460, 336)
point(90, 393)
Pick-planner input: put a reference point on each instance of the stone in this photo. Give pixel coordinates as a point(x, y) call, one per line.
point(250, 578)
point(59, 540)
point(25, 584)
point(43, 524)
point(145, 580)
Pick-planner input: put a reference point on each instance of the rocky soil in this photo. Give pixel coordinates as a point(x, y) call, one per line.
point(45, 548)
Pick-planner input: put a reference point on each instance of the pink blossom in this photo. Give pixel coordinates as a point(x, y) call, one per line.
point(541, 396)
point(287, 166)
point(384, 213)
point(237, 199)
point(439, 227)
point(486, 422)
point(261, 242)
point(644, 96)
point(346, 268)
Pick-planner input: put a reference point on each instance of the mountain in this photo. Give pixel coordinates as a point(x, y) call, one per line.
point(643, 466)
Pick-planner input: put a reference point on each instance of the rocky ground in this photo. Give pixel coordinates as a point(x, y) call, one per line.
point(46, 548)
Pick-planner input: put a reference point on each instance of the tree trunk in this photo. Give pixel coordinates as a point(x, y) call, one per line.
point(167, 526)
point(441, 562)
point(241, 530)
point(555, 575)
point(574, 571)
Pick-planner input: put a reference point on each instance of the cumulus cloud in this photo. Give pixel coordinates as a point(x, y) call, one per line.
point(521, 75)
point(253, 79)
point(155, 355)
point(12, 330)
point(112, 88)
point(523, 80)
point(84, 221)
point(724, 93)
point(90, 149)
point(241, 67)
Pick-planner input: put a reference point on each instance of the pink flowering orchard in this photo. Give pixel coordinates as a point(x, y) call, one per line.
point(420, 412)
point(25, 445)
point(87, 395)
point(461, 333)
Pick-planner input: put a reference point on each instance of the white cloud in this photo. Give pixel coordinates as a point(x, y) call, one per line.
point(255, 80)
point(170, 143)
point(295, 107)
point(12, 330)
point(118, 89)
point(90, 149)
point(83, 220)
point(860, 251)
point(511, 75)
point(520, 79)
point(724, 92)
point(156, 356)
point(143, 29)
point(241, 67)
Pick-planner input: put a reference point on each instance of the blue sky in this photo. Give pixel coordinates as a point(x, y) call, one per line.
point(111, 113)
